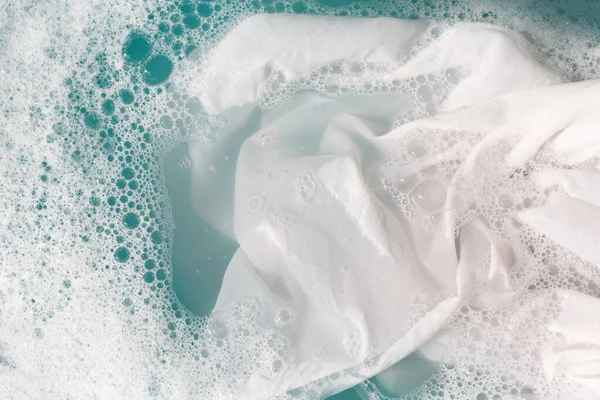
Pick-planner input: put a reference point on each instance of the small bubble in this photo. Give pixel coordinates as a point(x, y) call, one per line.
point(406, 182)
point(92, 120)
point(217, 328)
point(191, 21)
point(161, 274)
point(149, 277)
point(277, 366)
point(452, 75)
point(157, 70)
point(332, 89)
point(127, 173)
point(205, 10)
point(505, 201)
point(126, 96)
point(166, 122)
point(424, 94)
point(475, 334)
point(430, 195)
point(136, 49)
point(193, 106)
point(299, 7)
point(415, 149)
point(156, 237)
point(108, 107)
point(122, 254)
point(285, 315)
point(131, 220)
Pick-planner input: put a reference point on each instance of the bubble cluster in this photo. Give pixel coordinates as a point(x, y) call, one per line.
point(305, 188)
point(496, 347)
point(340, 79)
point(495, 353)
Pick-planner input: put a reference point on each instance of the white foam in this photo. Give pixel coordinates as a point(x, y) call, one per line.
point(74, 322)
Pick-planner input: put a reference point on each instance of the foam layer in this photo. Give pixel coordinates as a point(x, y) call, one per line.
point(102, 296)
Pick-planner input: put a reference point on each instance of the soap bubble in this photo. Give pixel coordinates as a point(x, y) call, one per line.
point(352, 341)
point(553, 269)
point(157, 70)
point(218, 328)
point(193, 105)
point(277, 366)
point(285, 316)
point(505, 201)
point(406, 181)
point(415, 149)
point(136, 48)
point(424, 94)
point(131, 220)
point(430, 195)
point(122, 254)
point(453, 75)
point(305, 188)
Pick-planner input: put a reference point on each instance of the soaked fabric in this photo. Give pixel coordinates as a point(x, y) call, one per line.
point(361, 236)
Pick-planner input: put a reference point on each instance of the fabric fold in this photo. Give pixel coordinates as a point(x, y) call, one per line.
point(373, 228)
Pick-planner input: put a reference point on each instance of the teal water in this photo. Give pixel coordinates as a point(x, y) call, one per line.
point(123, 127)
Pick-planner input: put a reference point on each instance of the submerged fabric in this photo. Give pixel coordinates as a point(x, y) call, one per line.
point(352, 282)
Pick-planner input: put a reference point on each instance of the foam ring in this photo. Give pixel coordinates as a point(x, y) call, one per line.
point(257, 202)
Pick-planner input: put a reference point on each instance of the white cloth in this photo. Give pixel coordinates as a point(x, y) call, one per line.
point(240, 64)
point(320, 235)
point(578, 327)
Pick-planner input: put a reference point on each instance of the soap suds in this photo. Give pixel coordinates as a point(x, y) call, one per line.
point(95, 90)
